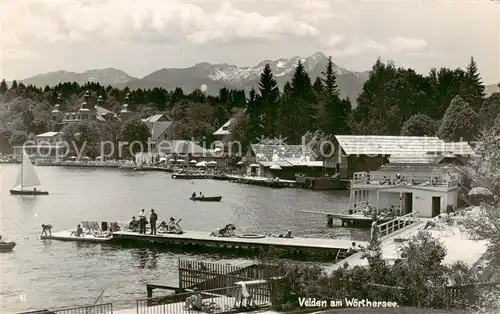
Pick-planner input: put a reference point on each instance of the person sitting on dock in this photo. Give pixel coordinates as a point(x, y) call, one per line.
point(173, 226)
point(46, 228)
point(78, 232)
point(133, 224)
point(352, 249)
point(288, 235)
point(201, 195)
point(193, 196)
point(227, 231)
point(194, 301)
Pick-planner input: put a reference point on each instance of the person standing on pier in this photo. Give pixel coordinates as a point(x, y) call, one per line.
point(152, 220)
point(142, 222)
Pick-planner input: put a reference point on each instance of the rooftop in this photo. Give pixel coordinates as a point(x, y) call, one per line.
point(48, 134)
point(224, 129)
point(410, 146)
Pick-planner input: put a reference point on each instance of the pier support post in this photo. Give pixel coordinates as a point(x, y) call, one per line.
point(329, 220)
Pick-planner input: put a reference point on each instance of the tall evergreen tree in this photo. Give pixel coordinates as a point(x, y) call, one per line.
point(254, 114)
point(3, 87)
point(318, 86)
point(268, 101)
point(298, 105)
point(332, 115)
point(473, 87)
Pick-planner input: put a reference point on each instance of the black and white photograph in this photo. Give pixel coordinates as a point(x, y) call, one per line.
point(249, 156)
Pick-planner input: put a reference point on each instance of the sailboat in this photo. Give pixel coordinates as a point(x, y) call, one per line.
point(27, 178)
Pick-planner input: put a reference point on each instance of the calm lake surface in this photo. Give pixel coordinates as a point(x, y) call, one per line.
point(47, 274)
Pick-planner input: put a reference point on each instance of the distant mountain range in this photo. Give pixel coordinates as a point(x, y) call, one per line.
point(214, 76)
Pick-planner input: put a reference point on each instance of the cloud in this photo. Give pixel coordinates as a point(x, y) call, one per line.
point(334, 40)
point(360, 47)
point(404, 44)
point(315, 11)
point(149, 22)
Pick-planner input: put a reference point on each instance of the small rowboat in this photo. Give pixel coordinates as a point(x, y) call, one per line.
point(207, 199)
point(7, 246)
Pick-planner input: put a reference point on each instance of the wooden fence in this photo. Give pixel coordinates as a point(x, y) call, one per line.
point(468, 295)
point(206, 275)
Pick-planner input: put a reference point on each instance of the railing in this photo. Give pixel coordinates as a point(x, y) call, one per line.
point(105, 308)
point(205, 275)
point(468, 295)
point(405, 179)
point(397, 223)
point(222, 300)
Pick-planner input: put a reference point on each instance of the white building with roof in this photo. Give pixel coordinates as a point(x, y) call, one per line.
point(283, 161)
point(160, 128)
point(46, 146)
point(90, 111)
point(369, 152)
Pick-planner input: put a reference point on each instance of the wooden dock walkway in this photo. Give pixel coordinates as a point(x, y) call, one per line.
point(262, 181)
point(329, 248)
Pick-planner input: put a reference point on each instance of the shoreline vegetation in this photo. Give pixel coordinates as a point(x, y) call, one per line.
point(450, 104)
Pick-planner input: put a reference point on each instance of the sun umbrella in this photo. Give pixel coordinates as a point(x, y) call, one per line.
point(201, 164)
point(180, 160)
point(193, 161)
point(240, 163)
point(480, 191)
point(171, 160)
point(163, 159)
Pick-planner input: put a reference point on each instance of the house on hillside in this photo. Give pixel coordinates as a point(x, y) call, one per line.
point(160, 128)
point(224, 130)
point(354, 153)
point(89, 111)
point(46, 146)
point(282, 161)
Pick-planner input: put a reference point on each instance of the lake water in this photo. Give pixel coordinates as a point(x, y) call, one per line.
point(47, 274)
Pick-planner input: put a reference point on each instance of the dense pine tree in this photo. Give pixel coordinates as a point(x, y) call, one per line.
point(473, 89)
point(268, 99)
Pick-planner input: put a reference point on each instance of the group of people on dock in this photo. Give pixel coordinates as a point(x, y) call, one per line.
point(140, 225)
point(381, 214)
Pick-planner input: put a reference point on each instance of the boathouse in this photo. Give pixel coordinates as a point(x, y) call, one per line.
point(354, 153)
point(407, 192)
point(282, 161)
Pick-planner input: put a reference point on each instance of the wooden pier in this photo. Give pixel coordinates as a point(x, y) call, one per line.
point(331, 249)
point(191, 176)
point(273, 183)
point(349, 220)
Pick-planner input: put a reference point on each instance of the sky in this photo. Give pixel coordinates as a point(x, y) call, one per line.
point(140, 37)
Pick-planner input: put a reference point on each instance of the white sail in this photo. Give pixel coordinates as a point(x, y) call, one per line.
point(27, 177)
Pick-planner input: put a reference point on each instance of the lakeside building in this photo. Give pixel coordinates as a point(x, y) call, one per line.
point(160, 128)
point(354, 153)
point(89, 111)
point(406, 191)
point(173, 151)
point(45, 146)
point(282, 161)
